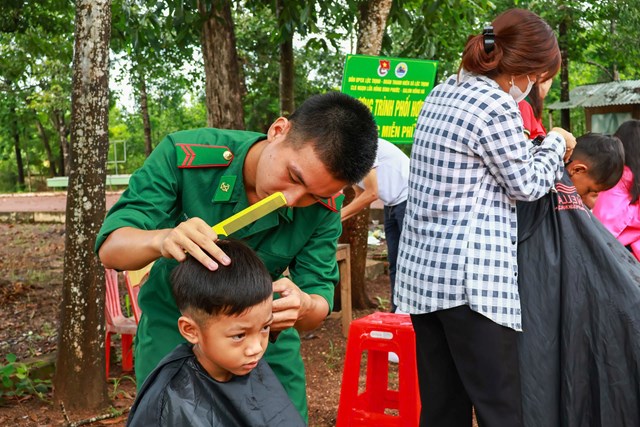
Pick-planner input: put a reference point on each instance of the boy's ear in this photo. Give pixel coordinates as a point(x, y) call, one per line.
point(189, 329)
point(577, 166)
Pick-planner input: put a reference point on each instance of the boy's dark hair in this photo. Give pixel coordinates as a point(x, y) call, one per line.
point(342, 131)
point(629, 134)
point(605, 155)
point(229, 290)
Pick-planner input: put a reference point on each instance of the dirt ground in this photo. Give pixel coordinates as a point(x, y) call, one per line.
point(31, 261)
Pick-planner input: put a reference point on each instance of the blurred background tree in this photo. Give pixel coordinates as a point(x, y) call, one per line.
point(158, 82)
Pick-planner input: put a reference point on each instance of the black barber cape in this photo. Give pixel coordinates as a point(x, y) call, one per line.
point(580, 295)
point(179, 392)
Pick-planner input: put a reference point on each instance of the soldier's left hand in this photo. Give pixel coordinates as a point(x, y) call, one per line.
point(290, 307)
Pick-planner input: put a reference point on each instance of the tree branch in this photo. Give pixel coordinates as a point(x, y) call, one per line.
point(91, 420)
point(603, 68)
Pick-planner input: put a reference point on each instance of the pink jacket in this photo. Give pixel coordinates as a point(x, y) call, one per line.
point(612, 208)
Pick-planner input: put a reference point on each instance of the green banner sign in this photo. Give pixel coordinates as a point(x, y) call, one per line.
point(394, 89)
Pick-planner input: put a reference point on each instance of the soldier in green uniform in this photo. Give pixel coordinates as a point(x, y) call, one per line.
point(196, 178)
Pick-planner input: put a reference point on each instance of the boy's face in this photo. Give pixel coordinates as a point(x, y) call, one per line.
point(590, 199)
point(586, 186)
point(297, 173)
point(231, 345)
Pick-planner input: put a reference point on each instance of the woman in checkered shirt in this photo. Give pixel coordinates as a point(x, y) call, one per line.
point(457, 266)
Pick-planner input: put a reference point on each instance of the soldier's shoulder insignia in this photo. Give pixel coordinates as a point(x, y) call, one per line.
point(202, 156)
point(334, 202)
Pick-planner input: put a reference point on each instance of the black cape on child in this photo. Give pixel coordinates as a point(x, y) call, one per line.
point(580, 295)
point(179, 392)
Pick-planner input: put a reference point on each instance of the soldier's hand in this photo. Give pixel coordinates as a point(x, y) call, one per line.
point(291, 306)
point(193, 236)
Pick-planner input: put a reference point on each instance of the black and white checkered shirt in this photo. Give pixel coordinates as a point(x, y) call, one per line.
point(470, 162)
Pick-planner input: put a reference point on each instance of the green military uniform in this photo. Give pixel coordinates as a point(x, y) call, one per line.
point(185, 177)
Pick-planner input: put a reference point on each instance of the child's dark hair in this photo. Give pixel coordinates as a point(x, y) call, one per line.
point(342, 131)
point(605, 155)
point(229, 290)
point(629, 134)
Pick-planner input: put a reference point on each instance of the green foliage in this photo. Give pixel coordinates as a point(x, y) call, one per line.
point(117, 392)
point(127, 127)
point(382, 303)
point(158, 43)
point(147, 40)
point(318, 64)
point(435, 30)
point(8, 176)
point(333, 356)
point(601, 36)
point(16, 383)
point(35, 79)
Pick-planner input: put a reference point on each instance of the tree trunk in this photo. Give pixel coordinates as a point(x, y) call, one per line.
point(614, 66)
point(355, 232)
point(15, 134)
point(286, 78)
point(371, 27)
point(563, 42)
point(144, 110)
point(61, 127)
point(221, 66)
point(286, 69)
point(79, 380)
point(47, 148)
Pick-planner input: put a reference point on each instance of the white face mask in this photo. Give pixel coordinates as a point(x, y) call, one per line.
point(517, 93)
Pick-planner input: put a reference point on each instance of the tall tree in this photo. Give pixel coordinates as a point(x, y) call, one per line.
point(136, 30)
point(15, 134)
point(35, 55)
point(563, 42)
point(13, 65)
point(372, 20)
point(318, 63)
point(223, 87)
point(143, 31)
point(42, 133)
point(80, 375)
point(286, 82)
point(301, 18)
point(436, 30)
point(144, 111)
point(61, 125)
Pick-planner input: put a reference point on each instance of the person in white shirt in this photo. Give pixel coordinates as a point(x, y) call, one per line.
point(387, 181)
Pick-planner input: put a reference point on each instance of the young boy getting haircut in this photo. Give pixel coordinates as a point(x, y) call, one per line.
point(218, 378)
point(579, 292)
point(596, 165)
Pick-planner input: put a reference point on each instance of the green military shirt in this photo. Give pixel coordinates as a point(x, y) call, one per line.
point(184, 178)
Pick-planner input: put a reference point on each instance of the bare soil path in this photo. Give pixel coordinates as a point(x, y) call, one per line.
point(54, 201)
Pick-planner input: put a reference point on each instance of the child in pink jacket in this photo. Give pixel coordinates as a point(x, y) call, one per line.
point(619, 208)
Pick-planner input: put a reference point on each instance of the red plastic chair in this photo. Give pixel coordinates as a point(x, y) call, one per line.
point(134, 280)
point(117, 323)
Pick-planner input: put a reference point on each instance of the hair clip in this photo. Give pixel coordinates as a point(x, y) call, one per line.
point(489, 38)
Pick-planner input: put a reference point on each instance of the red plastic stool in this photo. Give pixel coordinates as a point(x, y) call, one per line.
point(379, 334)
